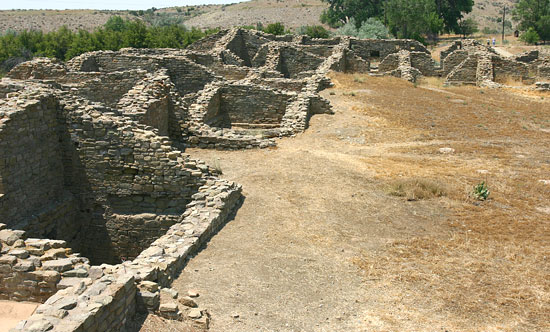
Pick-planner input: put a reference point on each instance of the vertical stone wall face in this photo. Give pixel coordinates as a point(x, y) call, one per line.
point(250, 105)
point(293, 62)
point(453, 60)
point(31, 169)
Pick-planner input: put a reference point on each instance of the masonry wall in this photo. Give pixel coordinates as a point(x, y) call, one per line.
point(124, 170)
point(465, 73)
point(252, 105)
point(543, 71)
point(31, 269)
point(32, 172)
point(452, 60)
point(391, 62)
point(106, 88)
point(505, 69)
point(423, 62)
point(292, 62)
point(371, 49)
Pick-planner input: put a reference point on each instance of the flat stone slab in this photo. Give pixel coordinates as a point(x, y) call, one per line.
point(59, 265)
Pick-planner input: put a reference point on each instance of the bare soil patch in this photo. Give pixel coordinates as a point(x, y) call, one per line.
point(12, 312)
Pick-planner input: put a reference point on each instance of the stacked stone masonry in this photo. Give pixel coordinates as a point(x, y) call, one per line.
point(93, 161)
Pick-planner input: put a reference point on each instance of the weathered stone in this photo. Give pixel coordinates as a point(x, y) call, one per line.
point(195, 313)
point(8, 237)
point(168, 307)
point(59, 265)
point(188, 302)
point(149, 286)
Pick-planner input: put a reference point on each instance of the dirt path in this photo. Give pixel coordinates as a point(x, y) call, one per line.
point(320, 245)
point(286, 263)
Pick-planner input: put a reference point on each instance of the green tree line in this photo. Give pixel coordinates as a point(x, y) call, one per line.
point(404, 18)
point(117, 33)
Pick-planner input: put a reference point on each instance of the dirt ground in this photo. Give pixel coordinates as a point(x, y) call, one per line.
point(321, 244)
point(12, 312)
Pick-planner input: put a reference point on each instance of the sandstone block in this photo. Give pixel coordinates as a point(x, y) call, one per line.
point(59, 265)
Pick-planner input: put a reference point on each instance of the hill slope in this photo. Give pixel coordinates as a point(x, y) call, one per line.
point(292, 13)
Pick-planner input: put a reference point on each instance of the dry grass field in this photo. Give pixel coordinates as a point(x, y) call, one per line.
point(367, 221)
point(492, 267)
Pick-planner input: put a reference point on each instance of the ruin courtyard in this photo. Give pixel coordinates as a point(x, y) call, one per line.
point(129, 179)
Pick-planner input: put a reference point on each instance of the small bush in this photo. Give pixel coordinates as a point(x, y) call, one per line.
point(373, 29)
point(370, 29)
point(481, 191)
point(275, 29)
point(530, 36)
point(314, 31)
point(417, 189)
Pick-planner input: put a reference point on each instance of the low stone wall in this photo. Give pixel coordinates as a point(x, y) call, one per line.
point(34, 269)
point(465, 73)
point(104, 298)
point(373, 49)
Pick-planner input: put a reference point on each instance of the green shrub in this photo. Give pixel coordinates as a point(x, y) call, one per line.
point(530, 36)
point(372, 28)
point(481, 191)
point(314, 31)
point(275, 29)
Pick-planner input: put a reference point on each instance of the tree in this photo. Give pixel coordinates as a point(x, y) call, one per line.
point(413, 18)
point(467, 27)
point(533, 14)
point(452, 12)
point(341, 11)
point(543, 27)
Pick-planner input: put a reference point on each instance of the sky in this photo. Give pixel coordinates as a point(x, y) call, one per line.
point(103, 4)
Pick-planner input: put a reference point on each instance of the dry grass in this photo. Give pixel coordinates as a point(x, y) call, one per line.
point(154, 323)
point(491, 271)
point(416, 189)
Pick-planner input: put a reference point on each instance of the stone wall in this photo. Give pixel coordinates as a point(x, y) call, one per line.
point(31, 169)
point(247, 104)
point(424, 63)
point(543, 71)
point(465, 73)
point(105, 88)
point(293, 61)
point(506, 69)
point(374, 49)
point(33, 269)
point(453, 60)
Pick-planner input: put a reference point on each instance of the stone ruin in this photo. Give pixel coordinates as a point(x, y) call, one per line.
point(468, 62)
point(100, 203)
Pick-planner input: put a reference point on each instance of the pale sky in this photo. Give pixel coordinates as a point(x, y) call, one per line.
point(103, 4)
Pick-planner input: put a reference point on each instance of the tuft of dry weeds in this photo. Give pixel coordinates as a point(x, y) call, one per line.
point(417, 188)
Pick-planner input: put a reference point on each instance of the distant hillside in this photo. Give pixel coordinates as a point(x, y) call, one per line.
point(486, 13)
point(292, 13)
